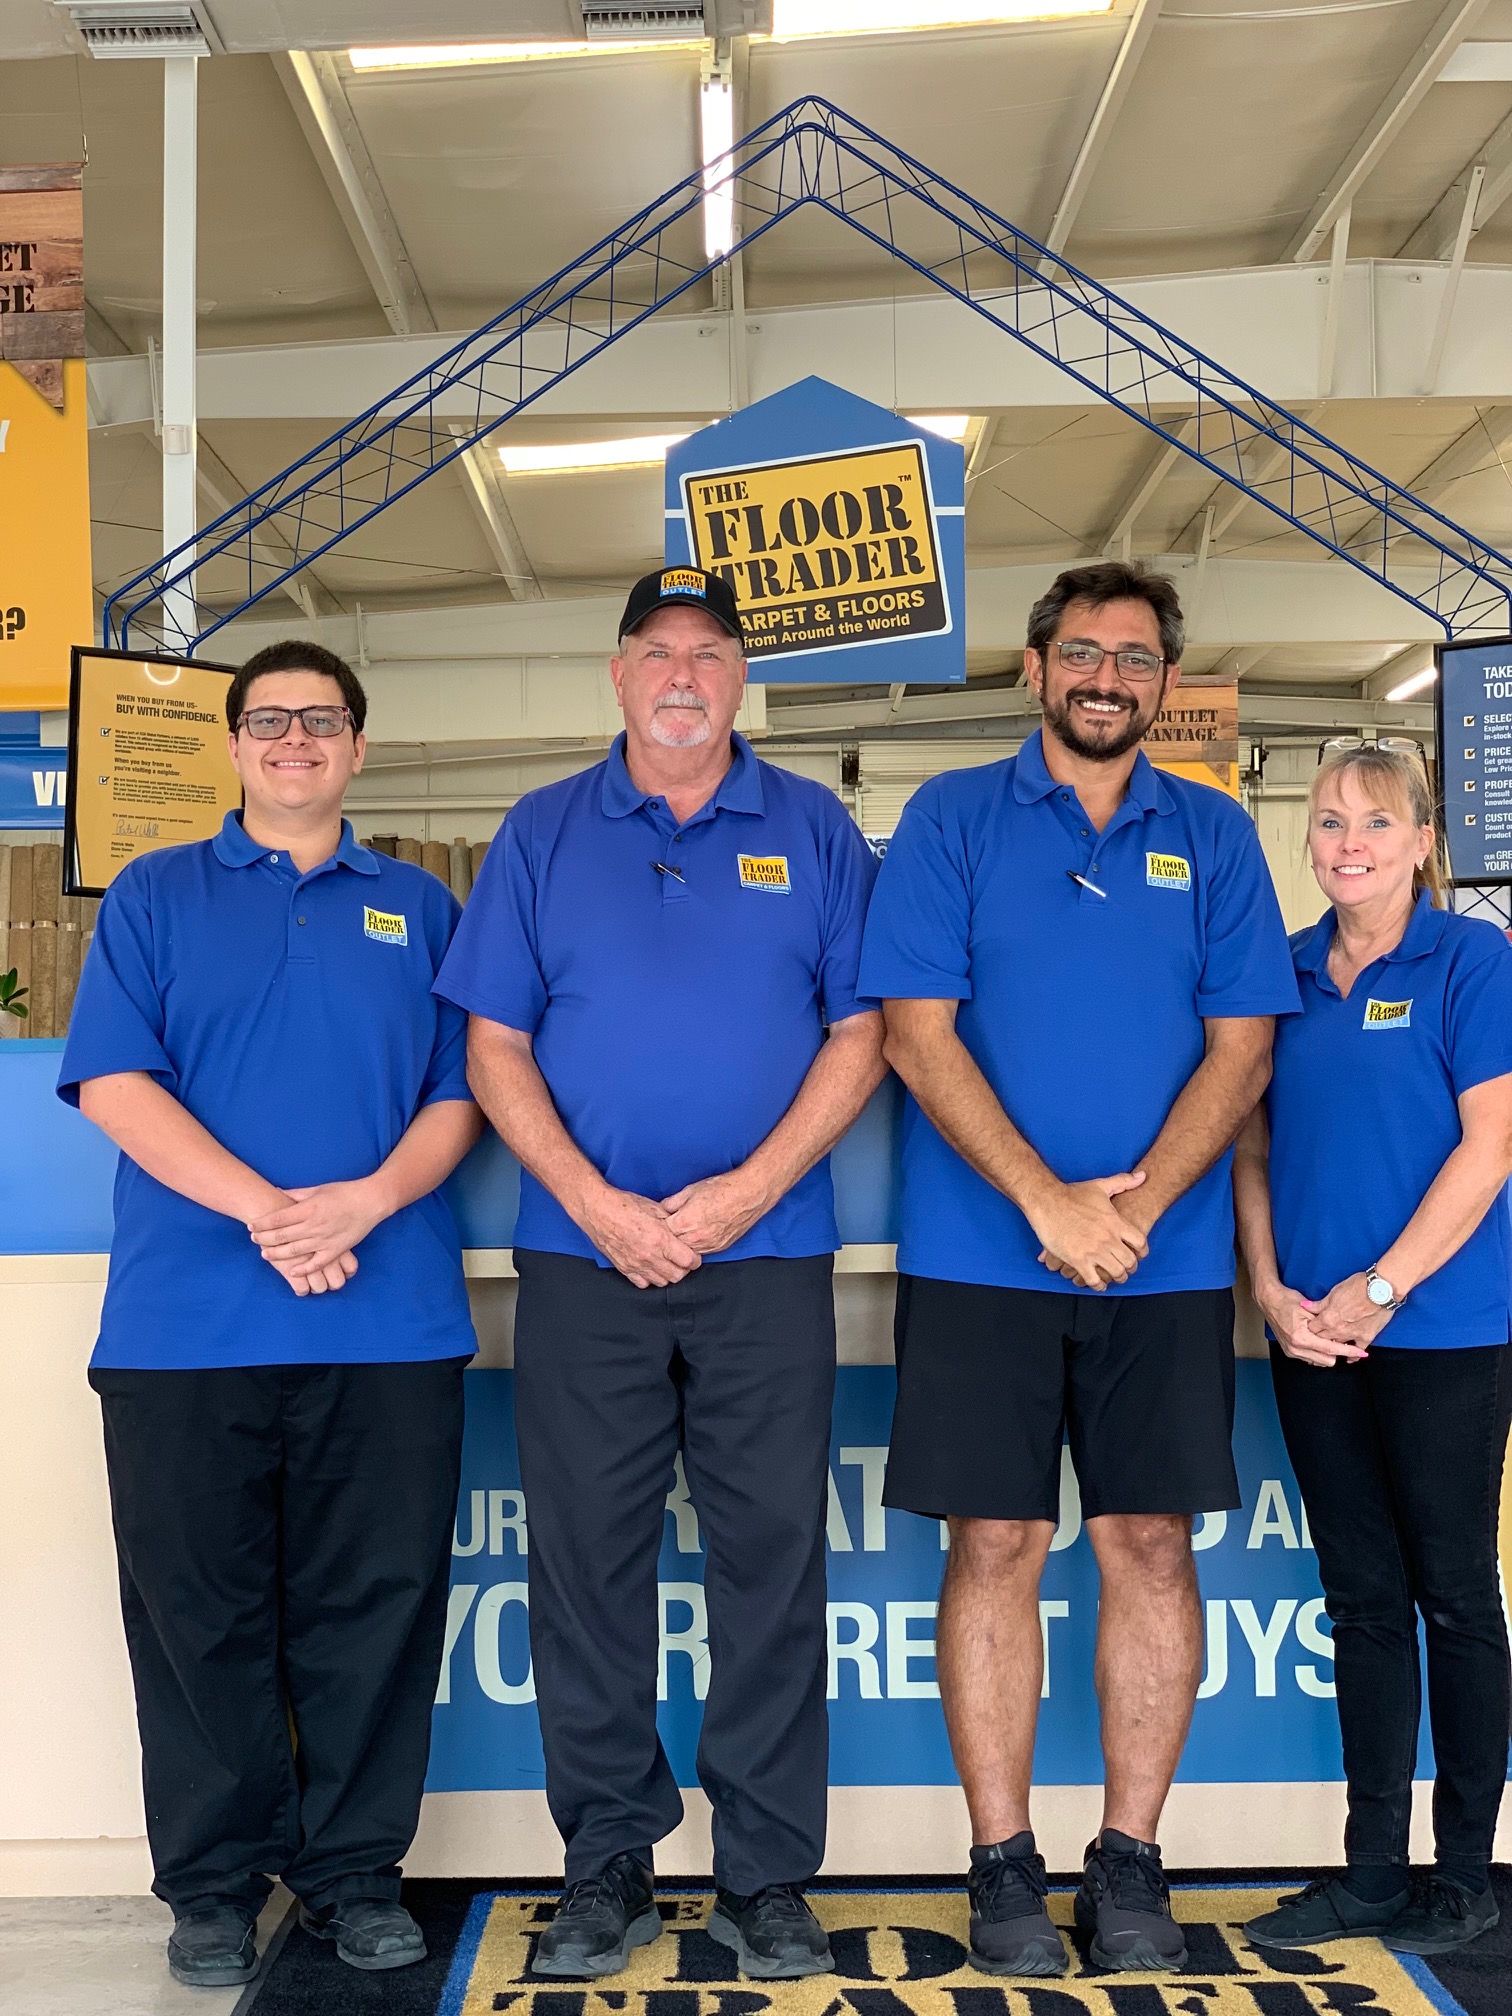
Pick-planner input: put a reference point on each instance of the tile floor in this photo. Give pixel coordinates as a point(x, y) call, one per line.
point(102, 1956)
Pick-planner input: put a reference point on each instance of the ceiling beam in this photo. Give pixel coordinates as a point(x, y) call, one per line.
point(1095, 140)
point(1390, 116)
point(1399, 666)
point(1435, 237)
point(977, 712)
point(317, 93)
point(1121, 524)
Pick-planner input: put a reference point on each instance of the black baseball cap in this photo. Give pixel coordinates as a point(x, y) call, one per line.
point(682, 588)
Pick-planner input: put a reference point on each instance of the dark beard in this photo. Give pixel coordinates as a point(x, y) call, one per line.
point(1058, 718)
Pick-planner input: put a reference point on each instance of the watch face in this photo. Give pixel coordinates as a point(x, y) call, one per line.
point(1379, 1292)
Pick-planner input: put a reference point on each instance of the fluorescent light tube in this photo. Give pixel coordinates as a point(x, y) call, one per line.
point(1418, 682)
point(792, 20)
point(457, 55)
point(952, 425)
point(560, 458)
point(716, 104)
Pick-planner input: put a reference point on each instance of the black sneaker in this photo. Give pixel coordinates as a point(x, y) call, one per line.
point(1124, 1906)
point(1441, 1917)
point(774, 1934)
point(371, 1933)
point(599, 1921)
point(1011, 1932)
point(214, 1948)
point(1324, 1911)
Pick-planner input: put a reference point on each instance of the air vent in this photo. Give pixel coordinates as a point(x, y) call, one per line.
point(669, 21)
point(119, 28)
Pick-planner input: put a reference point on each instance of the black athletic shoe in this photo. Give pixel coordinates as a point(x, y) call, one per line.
point(1124, 1906)
point(1441, 1917)
point(599, 1921)
point(371, 1933)
point(1324, 1911)
point(214, 1948)
point(1011, 1932)
point(774, 1934)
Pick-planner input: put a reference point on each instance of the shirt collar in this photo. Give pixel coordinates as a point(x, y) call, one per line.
point(739, 790)
point(235, 848)
point(1425, 928)
point(1032, 781)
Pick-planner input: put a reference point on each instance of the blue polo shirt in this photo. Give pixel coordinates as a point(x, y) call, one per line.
point(674, 1014)
point(292, 1015)
point(1363, 1115)
point(1084, 1011)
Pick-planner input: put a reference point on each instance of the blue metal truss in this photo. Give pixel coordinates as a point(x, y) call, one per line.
point(813, 153)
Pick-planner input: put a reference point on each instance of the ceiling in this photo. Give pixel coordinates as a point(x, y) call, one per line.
point(1239, 116)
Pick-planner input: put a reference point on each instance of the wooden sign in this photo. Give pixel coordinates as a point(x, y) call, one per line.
point(1196, 733)
point(42, 272)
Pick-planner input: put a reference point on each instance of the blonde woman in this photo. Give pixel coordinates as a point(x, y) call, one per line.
point(1369, 1198)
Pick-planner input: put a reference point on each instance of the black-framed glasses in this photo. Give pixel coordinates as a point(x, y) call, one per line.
point(1394, 745)
point(1080, 654)
point(271, 724)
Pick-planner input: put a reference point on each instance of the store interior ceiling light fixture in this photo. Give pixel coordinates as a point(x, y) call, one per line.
point(461, 55)
point(644, 451)
point(1417, 682)
point(716, 107)
point(796, 20)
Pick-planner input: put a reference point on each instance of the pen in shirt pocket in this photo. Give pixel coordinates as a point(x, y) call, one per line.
point(1087, 885)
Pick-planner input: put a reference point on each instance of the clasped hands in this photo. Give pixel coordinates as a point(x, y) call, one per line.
point(654, 1244)
point(310, 1238)
point(1089, 1233)
point(1342, 1326)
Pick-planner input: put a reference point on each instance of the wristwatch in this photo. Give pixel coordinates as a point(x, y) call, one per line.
point(1380, 1290)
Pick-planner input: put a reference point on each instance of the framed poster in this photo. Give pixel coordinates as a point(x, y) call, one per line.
point(148, 765)
point(1474, 722)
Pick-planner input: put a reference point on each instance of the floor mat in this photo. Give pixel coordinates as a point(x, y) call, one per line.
point(900, 1950)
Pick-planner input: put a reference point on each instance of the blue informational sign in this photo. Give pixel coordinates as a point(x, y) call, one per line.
point(33, 785)
point(1266, 1710)
point(1475, 757)
point(841, 529)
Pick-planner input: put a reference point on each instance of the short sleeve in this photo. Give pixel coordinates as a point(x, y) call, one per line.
point(117, 1022)
point(1247, 963)
point(850, 873)
point(918, 929)
point(493, 966)
point(446, 1073)
point(1478, 1012)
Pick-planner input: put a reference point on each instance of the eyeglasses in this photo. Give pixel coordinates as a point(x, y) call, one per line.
point(271, 724)
point(1394, 745)
point(1081, 655)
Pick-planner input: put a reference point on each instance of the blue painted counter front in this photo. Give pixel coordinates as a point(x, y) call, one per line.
point(1266, 1711)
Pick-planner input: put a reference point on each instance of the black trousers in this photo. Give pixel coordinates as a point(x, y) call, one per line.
point(736, 1366)
point(284, 1538)
point(1400, 1463)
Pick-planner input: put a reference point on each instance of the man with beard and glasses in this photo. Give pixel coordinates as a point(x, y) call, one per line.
point(1080, 962)
point(659, 959)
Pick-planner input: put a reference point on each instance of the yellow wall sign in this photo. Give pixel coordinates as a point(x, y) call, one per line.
point(823, 552)
point(148, 765)
point(46, 603)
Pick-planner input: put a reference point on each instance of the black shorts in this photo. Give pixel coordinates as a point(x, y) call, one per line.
point(991, 1381)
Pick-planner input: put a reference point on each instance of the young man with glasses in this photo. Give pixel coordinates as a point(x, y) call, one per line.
point(281, 1347)
point(1080, 962)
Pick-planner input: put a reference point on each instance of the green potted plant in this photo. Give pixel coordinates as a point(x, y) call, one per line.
point(10, 996)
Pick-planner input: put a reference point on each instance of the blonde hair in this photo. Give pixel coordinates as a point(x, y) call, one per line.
point(1400, 783)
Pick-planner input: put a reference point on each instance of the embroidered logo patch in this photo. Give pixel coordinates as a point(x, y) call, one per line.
point(765, 871)
point(1387, 1015)
point(385, 927)
point(683, 581)
point(1168, 871)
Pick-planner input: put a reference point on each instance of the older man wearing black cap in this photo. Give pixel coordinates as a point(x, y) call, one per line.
point(659, 960)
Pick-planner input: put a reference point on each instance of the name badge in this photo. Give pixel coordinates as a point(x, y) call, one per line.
point(1168, 871)
point(1387, 1015)
point(385, 927)
point(765, 871)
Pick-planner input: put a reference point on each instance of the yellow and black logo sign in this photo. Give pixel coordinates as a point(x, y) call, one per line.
point(683, 581)
point(765, 871)
point(1168, 871)
point(826, 551)
point(385, 927)
point(1387, 1015)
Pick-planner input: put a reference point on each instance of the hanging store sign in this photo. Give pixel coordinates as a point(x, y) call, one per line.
point(148, 765)
point(1475, 757)
point(1196, 734)
point(841, 530)
point(46, 604)
point(33, 786)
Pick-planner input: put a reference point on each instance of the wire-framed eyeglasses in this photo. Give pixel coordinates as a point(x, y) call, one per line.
point(1394, 745)
point(271, 724)
point(1080, 654)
